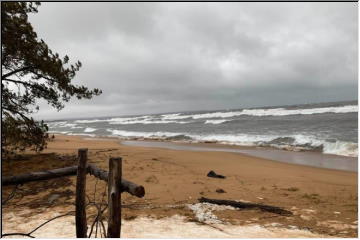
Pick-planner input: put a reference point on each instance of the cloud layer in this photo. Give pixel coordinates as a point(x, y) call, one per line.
point(162, 57)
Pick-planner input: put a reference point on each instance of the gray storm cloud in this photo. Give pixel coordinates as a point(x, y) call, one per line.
point(164, 57)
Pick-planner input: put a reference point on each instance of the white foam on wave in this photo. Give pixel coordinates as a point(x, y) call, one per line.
point(309, 111)
point(89, 129)
point(82, 134)
point(56, 123)
point(237, 139)
point(122, 133)
point(62, 124)
point(145, 121)
point(266, 112)
point(59, 132)
point(74, 127)
point(215, 121)
point(341, 148)
point(174, 116)
point(70, 125)
point(299, 141)
point(90, 121)
point(216, 115)
point(109, 119)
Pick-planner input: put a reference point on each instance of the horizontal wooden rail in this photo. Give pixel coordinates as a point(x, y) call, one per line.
point(37, 176)
point(126, 186)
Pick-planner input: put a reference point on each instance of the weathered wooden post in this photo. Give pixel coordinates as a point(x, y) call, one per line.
point(80, 217)
point(114, 197)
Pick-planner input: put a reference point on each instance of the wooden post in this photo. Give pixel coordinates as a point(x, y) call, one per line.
point(114, 197)
point(80, 217)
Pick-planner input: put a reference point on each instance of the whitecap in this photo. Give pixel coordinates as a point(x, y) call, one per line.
point(216, 121)
point(123, 133)
point(91, 121)
point(267, 112)
point(341, 148)
point(89, 129)
point(175, 116)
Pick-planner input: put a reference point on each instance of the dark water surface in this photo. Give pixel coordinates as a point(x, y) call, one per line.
point(329, 128)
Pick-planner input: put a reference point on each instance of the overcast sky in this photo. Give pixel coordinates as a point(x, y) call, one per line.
point(166, 57)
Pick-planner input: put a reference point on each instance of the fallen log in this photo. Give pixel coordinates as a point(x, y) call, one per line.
point(237, 204)
point(126, 186)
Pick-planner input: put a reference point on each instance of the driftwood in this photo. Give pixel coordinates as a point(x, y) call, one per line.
point(126, 186)
point(237, 204)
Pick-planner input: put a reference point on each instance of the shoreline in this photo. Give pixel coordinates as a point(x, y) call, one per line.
point(323, 201)
point(309, 158)
point(198, 142)
point(304, 158)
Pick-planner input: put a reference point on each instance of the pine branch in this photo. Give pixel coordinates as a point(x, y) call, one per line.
point(16, 71)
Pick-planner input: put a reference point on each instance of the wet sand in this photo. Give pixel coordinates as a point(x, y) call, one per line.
point(307, 158)
point(323, 201)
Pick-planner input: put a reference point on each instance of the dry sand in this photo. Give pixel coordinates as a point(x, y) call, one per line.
point(324, 202)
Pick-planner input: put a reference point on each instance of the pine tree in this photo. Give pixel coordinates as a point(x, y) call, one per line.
point(31, 71)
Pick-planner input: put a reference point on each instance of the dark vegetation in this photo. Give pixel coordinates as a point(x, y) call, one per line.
point(31, 71)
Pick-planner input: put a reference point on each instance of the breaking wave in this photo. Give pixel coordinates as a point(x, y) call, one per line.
point(63, 124)
point(89, 129)
point(216, 121)
point(150, 135)
point(267, 112)
point(145, 121)
point(131, 120)
point(308, 133)
point(341, 148)
point(90, 121)
point(294, 143)
point(174, 116)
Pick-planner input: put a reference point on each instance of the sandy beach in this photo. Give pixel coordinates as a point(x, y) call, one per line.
point(323, 201)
